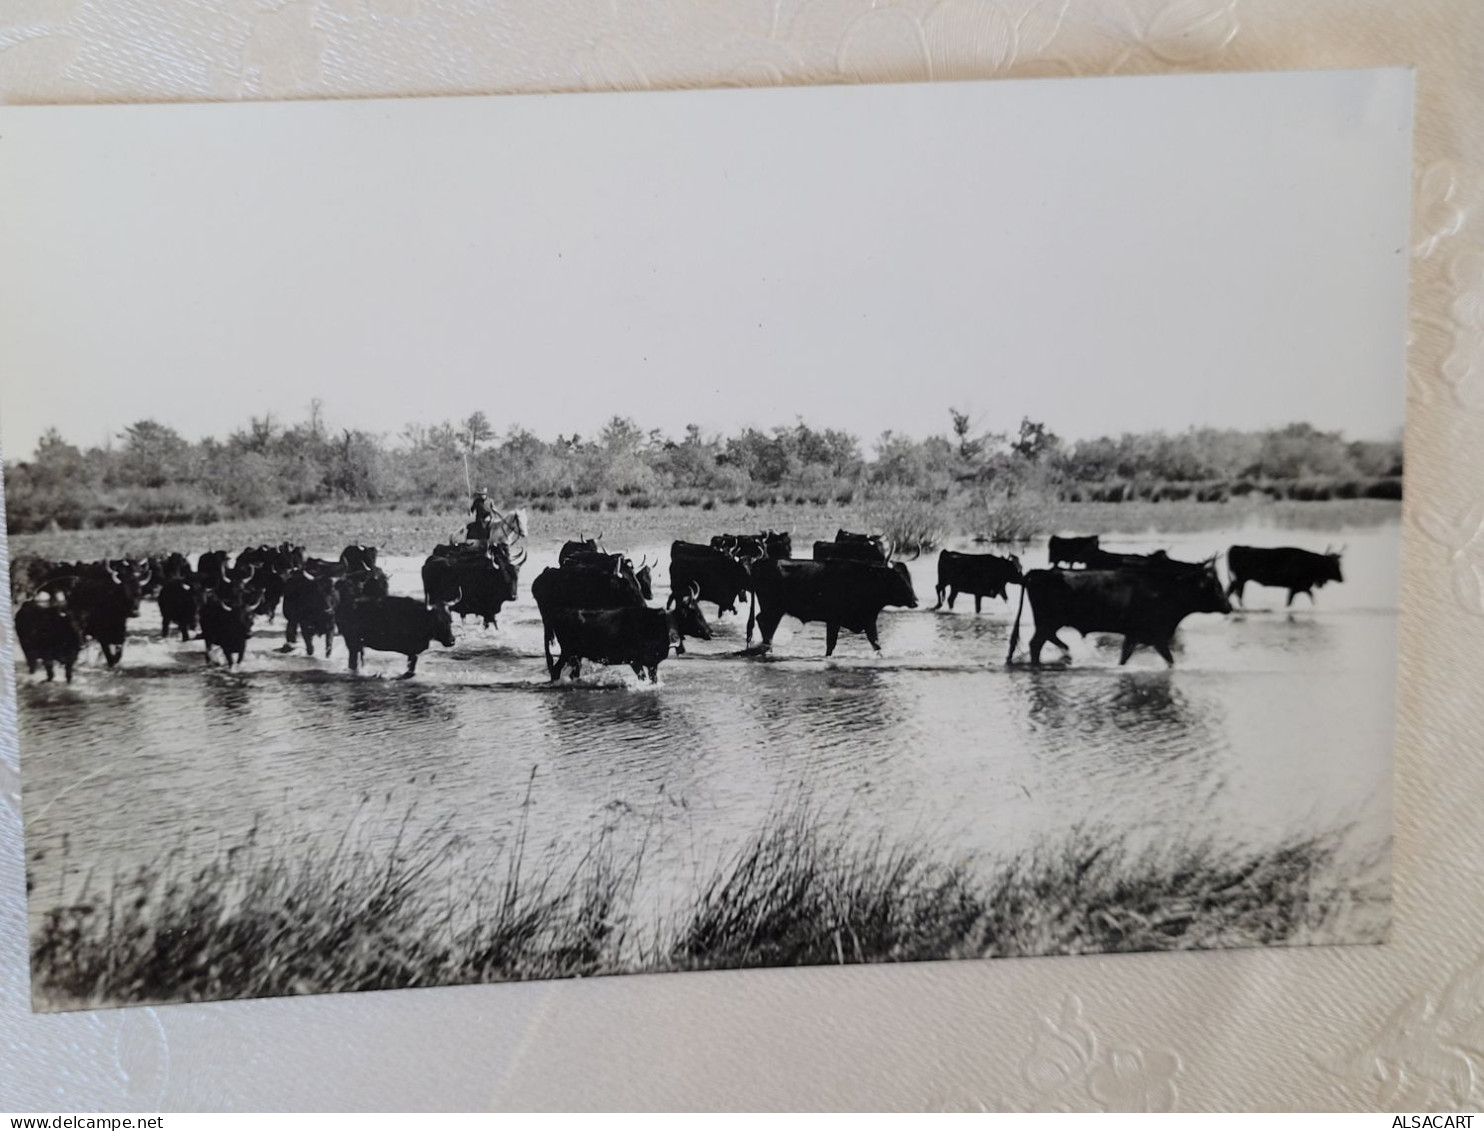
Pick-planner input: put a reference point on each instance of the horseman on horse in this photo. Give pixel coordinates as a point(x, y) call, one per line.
point(490, 525)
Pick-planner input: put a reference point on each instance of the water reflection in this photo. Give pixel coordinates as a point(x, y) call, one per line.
point(577, 714)
point(398, 701)
point(1105, 712)
point(228, 700)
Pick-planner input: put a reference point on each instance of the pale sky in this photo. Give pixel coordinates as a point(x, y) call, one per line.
point(1106, 255)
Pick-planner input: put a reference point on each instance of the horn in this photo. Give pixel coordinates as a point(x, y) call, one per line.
point(617, 566)
point(918, 554)
point(695, 591)
point(524, 554)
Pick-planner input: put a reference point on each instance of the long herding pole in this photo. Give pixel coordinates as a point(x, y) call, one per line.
point(468, 486)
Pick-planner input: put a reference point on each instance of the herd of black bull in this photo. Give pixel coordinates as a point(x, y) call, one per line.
point(594, 605)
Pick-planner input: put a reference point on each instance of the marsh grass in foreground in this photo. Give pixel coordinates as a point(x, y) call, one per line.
point(248, 925)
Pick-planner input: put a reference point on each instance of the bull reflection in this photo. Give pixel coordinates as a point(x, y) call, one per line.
point(577, 713)
point(228, 700)
point(400, 702)
point(1128, 715)
point(851, 709)
point(644, 739)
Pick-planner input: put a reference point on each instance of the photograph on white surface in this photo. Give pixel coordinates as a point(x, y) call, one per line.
point(480, 539)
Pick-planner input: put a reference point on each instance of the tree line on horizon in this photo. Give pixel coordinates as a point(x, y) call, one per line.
point(154, 475)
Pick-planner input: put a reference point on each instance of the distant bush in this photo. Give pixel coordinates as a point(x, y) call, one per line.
point(992, 517)
point(910, 524)
point(1384, 489)
point(259, 470)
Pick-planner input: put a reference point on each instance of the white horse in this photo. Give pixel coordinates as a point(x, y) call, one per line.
point(505, 528)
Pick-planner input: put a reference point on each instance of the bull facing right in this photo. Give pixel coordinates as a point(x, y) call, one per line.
point(1144, 606)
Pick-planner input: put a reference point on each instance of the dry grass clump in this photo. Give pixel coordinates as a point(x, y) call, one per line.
point(909, 523)
point(800, 892)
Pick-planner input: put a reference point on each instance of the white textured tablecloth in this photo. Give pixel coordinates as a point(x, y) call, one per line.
point(1398, 1027)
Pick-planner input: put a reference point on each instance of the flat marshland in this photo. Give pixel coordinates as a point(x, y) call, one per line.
point(415, 530)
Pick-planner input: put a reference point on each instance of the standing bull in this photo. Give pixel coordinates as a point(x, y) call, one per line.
point(579, 546)
point(1071, 551)
point(394, 624)
point(580, 585)
point(1298, 571)
point(226, 623)
point(720, 578)
point(980, 575)
point(639, 637)
point(48, 634)
point(851, 547)
point(616, 564)
point(102, 603)
point(358, 557)
point(843, 594)
point(477, 580)
point(180, 605)
point(1144, 606)
point(309, 605)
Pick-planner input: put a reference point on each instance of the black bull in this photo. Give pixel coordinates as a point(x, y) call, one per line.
point(641, 637)
point(721, 579)
point(227, 625)
point(980, 575)
point(601, 561)
point(475, 582)
point(102, 605)
point(48, 635)
point(309, 605)
point(1298, 571)
point(578, 587)
point(843, 594)
point(1144, 606)
point(1073, 551)
point(392, 624)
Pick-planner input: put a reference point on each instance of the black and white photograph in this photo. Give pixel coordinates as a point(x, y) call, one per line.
point(465, 540)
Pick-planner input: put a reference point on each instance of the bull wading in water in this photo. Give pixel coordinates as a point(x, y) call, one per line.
point(844, 594)
point(586, 580)
point(1144, 606)
point(476, 580)
point(979, 575)
point(1298, 571)
point(723, 580)
point(639, 637)
point(48, 634)
point(393, 624)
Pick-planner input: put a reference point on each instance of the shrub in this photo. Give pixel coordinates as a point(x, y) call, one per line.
point(992, 517)
point(908, 522)
point(1385, 489)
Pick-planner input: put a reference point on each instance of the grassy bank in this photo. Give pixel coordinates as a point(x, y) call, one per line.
point(414, 531)
point(799, 893)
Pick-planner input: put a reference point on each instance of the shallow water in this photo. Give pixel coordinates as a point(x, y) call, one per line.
point(1271, 724)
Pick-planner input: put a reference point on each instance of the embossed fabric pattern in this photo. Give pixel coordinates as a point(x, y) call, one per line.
point(1391, 1027)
